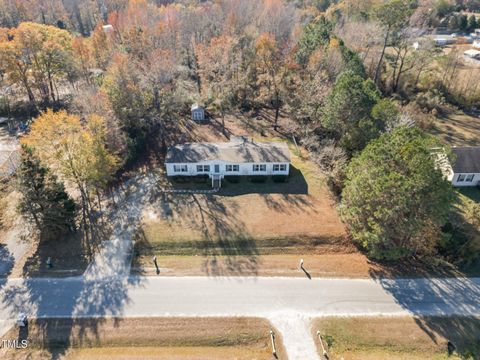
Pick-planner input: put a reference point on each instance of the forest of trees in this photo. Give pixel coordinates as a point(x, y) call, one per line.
point(344, 71)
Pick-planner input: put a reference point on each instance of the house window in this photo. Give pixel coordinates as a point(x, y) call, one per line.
point(461, 178)
point(203, 168)
point(232, 168)
point(180, 168)
point(279, 167)
point(469, 177)
point(259, 167)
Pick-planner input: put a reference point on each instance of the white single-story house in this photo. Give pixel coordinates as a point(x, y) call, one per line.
point(240, 156)
point(465, 170)
point(198, 112)
point(443, 41)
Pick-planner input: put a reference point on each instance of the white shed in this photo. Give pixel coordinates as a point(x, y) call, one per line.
point(107, 28)
point(198, 112)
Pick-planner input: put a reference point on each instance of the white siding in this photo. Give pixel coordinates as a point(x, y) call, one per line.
point(245, 169)
point(198, 114)
point(475, 180)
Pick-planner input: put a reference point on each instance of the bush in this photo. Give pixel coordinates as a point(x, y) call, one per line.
point(430, 100)
point(279, 178)
point(200, 179)
point(232, 179)
point(258, 179)
point(180, 179)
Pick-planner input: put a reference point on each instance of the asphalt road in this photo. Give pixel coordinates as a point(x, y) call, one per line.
point(290, 303)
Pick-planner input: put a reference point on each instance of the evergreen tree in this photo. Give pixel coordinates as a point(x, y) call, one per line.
point(472, 23)
point(395, 198)
point(315, 34)
point(347, 111)
point(463, 22)
point(44, 198)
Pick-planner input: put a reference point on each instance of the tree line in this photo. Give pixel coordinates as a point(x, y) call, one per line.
point(331, 66)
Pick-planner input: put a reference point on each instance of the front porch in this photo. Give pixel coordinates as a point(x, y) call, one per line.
point(216, 181)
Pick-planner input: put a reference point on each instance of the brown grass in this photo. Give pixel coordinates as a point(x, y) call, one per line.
point(9, 198)
point(182, 338)
point(245, 221)
point(398, 337)
point(334, 265)
point(458, 129)
point(301, 208)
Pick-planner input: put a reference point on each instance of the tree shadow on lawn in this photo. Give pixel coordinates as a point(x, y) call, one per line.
point(445, 305)
point(473, 193)
point(7, 262)
point(81, 303)
point(68, 257)
point(222, 234)
point(295, 184)
point(78, 306)
point(286, 197)
point(68, 254)
point(462, 332)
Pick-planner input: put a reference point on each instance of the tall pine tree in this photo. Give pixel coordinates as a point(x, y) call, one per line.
point(45, 200)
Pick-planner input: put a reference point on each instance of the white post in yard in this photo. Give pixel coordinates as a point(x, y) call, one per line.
point(321, 344)
point(272, 337)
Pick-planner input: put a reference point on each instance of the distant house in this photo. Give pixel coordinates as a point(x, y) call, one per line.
point(239, 157)
point(198, 112)
point(443, 41)
point(472, 53)
point(465, 170)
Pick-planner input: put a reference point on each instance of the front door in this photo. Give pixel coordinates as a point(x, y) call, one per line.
point(217, 168)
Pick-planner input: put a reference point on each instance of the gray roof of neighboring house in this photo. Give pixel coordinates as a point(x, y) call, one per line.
point(238, 150)
point(467, 159)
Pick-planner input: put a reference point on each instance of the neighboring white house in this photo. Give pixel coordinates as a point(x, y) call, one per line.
point(472, 53)
point(443, 41)
point(198, 112)
point(465, 170)
point(239, 157)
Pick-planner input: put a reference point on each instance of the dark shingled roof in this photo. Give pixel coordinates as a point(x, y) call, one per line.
point(239, 150)
point(467, 159)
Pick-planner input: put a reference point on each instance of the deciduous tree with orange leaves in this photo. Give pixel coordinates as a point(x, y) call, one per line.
point(76, 151)
point(36, 56)
point(273, 71)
